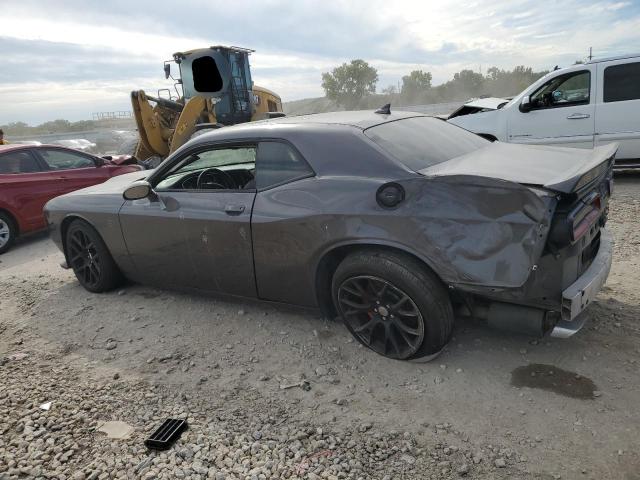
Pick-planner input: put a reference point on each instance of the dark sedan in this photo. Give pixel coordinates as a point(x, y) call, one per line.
point(31, 175)
point(391, 221)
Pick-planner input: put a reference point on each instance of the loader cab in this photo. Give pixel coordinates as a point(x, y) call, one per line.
point(222, 74)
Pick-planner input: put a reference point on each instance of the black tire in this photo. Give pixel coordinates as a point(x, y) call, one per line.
point(90, 258)
point(369, 290)
point(8, 232)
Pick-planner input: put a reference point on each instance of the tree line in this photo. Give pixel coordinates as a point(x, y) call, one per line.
point(54, 126)
point(353, 85)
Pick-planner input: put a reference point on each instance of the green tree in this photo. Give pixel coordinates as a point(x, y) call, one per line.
point(390, 90)
point(468, 82)
point(415, 85)
point(349, 83)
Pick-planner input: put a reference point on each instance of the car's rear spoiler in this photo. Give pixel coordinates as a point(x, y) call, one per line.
point(599, 160)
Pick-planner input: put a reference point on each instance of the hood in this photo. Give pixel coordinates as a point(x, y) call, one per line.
point(555, 168)
point(115, 185)
point(479, 105)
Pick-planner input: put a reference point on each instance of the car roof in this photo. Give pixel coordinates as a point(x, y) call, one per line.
point(357, 118)
point(17, 146)
point(13, 146)
point(610, 59)
point(286, 127)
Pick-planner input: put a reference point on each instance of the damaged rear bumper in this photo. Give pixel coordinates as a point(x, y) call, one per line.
point(584, 290)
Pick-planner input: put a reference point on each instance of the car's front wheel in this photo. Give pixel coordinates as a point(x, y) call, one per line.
point(8, 232)
point(90, 258)
point(392, 304)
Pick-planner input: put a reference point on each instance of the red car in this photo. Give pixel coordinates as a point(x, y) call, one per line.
point(32, 175)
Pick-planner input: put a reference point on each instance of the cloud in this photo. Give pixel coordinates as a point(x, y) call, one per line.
point(98, 51)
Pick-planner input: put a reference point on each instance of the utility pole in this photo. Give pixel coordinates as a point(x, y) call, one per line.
point(590, 53)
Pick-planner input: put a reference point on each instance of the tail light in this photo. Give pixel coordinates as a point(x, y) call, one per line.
point(583, 217)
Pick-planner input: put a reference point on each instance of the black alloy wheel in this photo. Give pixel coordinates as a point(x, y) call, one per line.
point(393, 304)
point(84, 258)
point(382, 316)
point(90, 258)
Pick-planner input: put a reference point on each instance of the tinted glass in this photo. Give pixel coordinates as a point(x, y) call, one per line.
point(563, 90)
point(622, 82)
point(421, 142)
point(221, 158)
point(279, 163)
point(18, 162)
point(63, 160)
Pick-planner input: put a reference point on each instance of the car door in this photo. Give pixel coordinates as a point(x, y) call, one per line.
point(194, 231)
point(75, 169)
point(561, 112)
point(618, 107)
point(282, 233)
point(25, 187)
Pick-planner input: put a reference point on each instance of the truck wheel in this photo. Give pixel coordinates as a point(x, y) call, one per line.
point(392, 304)
point(90, 258)
point(8, 232)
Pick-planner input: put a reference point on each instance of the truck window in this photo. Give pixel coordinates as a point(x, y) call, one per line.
point(622, 82)
point(563, 91)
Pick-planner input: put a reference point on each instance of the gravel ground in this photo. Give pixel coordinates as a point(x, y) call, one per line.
point(493, 406)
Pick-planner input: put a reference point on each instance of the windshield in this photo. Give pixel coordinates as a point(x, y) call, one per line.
point(421, 142)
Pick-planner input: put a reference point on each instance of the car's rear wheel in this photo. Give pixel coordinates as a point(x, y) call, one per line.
point(90, 258)
point(8, 232)
point(392, 304)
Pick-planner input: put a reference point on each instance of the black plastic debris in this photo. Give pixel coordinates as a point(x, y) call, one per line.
point(166, 434)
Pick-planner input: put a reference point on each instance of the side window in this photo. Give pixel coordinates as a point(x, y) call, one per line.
point(272, 106)
point(279, 163)
point(18, 162)
point(563, 91)
point(62, 160)
point(215, 168)
point(622, 82)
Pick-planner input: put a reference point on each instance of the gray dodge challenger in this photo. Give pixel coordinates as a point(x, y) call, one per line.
point(394, 222)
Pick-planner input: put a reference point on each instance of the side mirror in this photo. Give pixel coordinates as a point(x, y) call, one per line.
point(137, 190)
point(525, 104)
point(167, 70)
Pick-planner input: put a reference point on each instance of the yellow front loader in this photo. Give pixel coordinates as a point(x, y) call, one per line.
point(217, 90)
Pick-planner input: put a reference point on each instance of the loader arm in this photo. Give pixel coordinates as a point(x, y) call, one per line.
point(154, 125)
point(196, 110)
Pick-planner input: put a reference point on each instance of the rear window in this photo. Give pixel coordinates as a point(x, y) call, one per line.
point(622, 82)
point(421, 142)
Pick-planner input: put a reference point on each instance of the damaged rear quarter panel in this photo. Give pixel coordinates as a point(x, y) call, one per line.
point(470, 230)
point(476, 230)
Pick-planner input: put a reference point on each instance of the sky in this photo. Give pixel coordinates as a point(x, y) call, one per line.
point(67, 59)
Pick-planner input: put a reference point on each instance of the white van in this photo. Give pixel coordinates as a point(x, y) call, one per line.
point(585, 105)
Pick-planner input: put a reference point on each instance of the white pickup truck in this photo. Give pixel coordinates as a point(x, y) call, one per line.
point(585, 105)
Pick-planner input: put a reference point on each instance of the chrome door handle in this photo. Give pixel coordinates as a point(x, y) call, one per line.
point(234, 209)
point(578, 116)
